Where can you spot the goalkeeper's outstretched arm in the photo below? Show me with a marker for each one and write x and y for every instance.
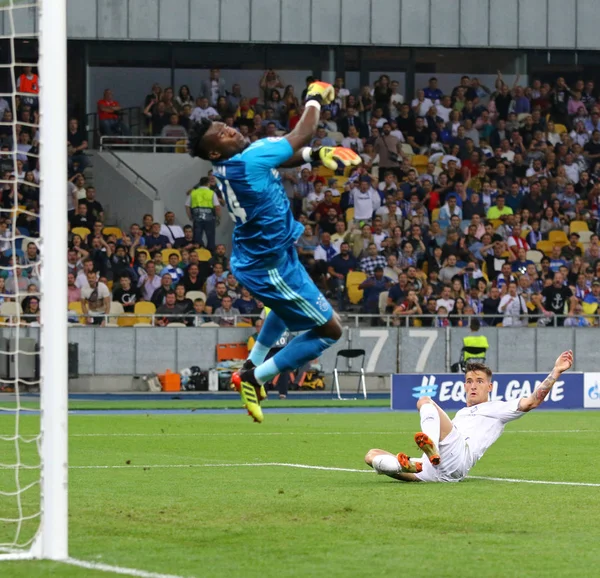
(562, 364)
(318, 93)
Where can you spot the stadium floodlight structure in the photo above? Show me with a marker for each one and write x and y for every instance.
(34, 492)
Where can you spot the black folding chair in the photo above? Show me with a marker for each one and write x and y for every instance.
(348, 355)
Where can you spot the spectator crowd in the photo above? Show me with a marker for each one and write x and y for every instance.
(475, 202)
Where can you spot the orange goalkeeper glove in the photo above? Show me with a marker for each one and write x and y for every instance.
(333, 157)
(321, 92)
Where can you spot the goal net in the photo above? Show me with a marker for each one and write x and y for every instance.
(33, 273)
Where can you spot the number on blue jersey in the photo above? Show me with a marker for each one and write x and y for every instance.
(236, 211)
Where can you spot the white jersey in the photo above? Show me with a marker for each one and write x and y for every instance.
(475, 429)
(482, 424)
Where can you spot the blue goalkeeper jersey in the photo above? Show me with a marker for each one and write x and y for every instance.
(256, 200)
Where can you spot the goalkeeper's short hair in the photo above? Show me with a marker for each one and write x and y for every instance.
(195, 137)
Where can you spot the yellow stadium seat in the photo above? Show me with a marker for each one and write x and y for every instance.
(146, 307)
(560, 128)
(496, 223)
(349, 214)
(545, 247)
(435, 215)
(76, 306)
(420, 162)
(558, 238)
(181, 146)
(83, 232)
(166, 253)
(127, 321)
(113, 231)
(578, 227)
(204, 254)
(353, 280)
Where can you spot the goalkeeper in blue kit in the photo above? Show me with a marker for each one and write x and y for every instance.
(264, 257)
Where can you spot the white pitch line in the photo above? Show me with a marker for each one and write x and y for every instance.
(326, 468)
(543, 482)
(328, 433)
(116, 569)
(243, 465)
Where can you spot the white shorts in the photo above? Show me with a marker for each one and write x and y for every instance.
(455, 461)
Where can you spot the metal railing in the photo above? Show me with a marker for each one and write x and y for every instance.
(348, 320)
(138, 178)
(144, 144)
(131, 116)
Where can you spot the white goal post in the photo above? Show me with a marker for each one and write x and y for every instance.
(50, 17)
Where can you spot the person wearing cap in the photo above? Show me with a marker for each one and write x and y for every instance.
(573, 249)
(577, 319)
(594, 295)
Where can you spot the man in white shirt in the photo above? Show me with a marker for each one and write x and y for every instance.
(445, 300)
(571, 169)
(365, 199)
(170, 230)
(452, 447)
(444, 108)
(421, 105)
(513, 307)
(203, 110)
(95, 300)
(314, 198)
(395, 100)
(352, 141)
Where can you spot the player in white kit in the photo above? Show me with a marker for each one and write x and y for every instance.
(452, 447)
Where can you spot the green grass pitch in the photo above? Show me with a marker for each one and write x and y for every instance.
(165, 504)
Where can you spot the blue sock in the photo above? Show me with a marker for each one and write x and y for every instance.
(299, 351)
(272, 329)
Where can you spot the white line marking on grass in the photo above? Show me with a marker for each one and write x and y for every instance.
(543, 482)
(327, 433)
(244, 465)
(326, 468)
(116, 569)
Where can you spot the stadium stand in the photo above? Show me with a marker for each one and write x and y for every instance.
(459, 193)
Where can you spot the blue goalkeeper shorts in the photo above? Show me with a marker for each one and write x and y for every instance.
(286, 288)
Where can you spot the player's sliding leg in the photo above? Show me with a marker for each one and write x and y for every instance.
(409, 465)
(428, 438)
(387, 464)
(435, 426)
